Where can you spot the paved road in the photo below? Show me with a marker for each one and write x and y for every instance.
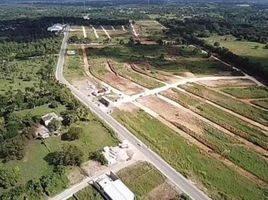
(176, 178)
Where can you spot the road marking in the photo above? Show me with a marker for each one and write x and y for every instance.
(84, 31)
(106, 32)
(95, 32)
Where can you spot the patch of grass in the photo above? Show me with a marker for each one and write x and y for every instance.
(33, 165)
(235, 105)
(88, 193)
(141, 178)
(73, 66)
(185, 59)
(234, 151)
(262, 103)
(216, 177)
(252, 50)
(220, 117)
(39, 111)
(135, 77)
(254, 92)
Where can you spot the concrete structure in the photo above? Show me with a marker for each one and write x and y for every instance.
(46, 119)
(55, 28)
(42, 132)
(70, 52)
(112, 188)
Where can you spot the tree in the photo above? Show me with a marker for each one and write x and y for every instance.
(216, 44)
(266, 46)
(69, 155)
(9, 177)
(99, 157)
(53, 104)
(54, 125)
(73, 133)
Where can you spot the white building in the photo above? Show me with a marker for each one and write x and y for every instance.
(42, 132)
(55, 28)
(112, 188)
(46, 119)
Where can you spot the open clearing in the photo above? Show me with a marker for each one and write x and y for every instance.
(146, 182)
(252, 50)
(126, 71)
(227, 102)
(73, 65)
(187, 159)
(211, 137)
(100, 69)
(220, 117)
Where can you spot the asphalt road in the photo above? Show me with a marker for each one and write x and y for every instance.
(176, 178)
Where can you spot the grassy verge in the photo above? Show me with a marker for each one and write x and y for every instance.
(187, 159)
(141, 178)
(248, 93)
(222, 118)
(235, 105)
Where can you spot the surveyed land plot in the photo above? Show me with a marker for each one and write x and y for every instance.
(228, 121)
(146, 182)
(213, 174)
(216, 140)
(227, 102)
(100, 69)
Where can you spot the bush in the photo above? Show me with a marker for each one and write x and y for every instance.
(99, 157)
(54, 125)
(74, 133)
(69, 155)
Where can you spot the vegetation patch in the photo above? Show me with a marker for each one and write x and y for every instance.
(235, 105)
(262, 103)
(187, 159)
(220, 117)
(248, 93)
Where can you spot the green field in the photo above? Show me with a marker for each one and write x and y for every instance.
(184, 58)
(73, 65)
(88, 193)
(235, 105)
(186, 158)
(262, 103)
(254, 92)
(252, 50)
(222, 118)
(141, 178)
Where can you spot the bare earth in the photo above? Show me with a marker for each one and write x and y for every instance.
(229, 83)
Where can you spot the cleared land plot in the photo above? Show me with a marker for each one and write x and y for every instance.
(148, 29)
(186, 158)
(147, 69)
(228, 83)
(252, 50)
(172, 59)
(262, 103)
(227, 102)
(73, 65)
(206, 134)
(144, 180)
(247, 93)
(99, 68)
(88, 193)
(126, 71)
(91, 34)
(220, 117)
(76, 31)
